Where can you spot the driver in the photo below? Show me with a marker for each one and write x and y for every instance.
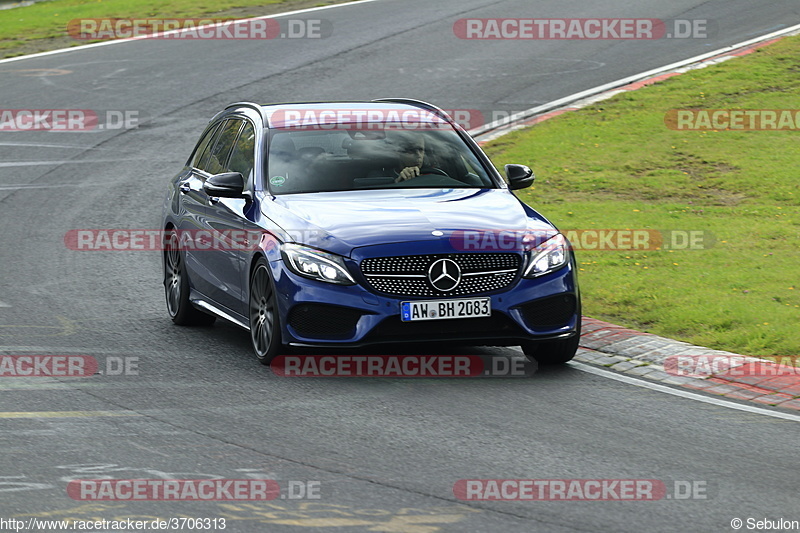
(411, 152)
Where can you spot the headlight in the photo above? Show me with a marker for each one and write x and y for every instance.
(547, 257)
(315, 264)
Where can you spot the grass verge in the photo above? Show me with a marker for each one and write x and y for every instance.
(43, 26)
(616, 165)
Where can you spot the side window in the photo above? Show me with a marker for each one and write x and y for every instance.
(218, 156)
(243, 154)
(203, 146)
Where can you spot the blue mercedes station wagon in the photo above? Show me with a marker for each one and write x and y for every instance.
(349, 224)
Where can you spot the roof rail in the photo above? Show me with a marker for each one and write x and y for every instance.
(418, 103)
(251, 105)
(244, 104)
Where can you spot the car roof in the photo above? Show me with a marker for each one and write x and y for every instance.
(279, 115)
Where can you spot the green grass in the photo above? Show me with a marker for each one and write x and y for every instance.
(22, 27)
(616, 165)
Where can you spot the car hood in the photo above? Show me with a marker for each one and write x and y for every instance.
(342, 221)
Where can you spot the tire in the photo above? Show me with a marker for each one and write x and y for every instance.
(553, 352)
(176, 287)
(265, 327)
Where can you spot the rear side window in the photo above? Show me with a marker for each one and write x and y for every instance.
(203, 146)
(218, 156)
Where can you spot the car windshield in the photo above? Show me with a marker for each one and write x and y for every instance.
(344, 159)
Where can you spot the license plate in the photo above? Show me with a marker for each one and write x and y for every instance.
(443, 309)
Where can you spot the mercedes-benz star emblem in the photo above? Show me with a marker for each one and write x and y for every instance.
(444, 275)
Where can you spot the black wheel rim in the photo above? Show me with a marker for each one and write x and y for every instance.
(262, 312)
(172, 274)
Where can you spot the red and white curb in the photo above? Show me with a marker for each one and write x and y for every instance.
(644, 355)
(647, 356)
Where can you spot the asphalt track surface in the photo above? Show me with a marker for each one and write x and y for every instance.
(386, 452)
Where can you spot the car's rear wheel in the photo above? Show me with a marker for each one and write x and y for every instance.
(553, 352)
(265, 331)
(176, 287)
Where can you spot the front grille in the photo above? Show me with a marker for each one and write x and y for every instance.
(408, 275)
(319, 321)
(550, 312)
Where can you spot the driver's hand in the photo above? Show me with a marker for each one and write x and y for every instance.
(407, 173)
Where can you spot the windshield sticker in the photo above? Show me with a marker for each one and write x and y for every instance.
(277, 180)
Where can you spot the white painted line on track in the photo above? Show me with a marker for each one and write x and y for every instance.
(682, 393)
(127, 40)
(3, 304)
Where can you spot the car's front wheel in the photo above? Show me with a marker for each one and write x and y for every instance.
(553, 352)
(265, 331)
(176, 287)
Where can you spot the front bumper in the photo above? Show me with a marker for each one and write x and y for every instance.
(321, 314)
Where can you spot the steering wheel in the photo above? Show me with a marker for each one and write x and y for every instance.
(433, 170)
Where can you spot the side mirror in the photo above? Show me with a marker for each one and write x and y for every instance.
(226, 185)
(519, 176)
